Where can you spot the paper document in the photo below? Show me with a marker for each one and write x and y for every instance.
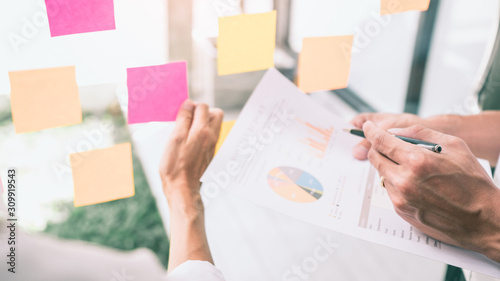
(289, 154)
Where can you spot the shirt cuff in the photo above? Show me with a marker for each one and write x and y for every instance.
(195, 270)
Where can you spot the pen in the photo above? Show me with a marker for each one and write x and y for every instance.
(427, 145)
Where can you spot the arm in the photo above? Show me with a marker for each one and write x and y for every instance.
(187, 155)
(446, 195)
(481, 132)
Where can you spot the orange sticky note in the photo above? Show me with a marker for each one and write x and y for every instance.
(398, 6)
(102, 175)
(324, 63)
(44, 98)
(224, 132)
(246, 43)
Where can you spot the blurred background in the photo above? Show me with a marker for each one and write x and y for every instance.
(424, 63)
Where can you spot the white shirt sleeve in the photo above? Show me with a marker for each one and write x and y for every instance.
(195, 271)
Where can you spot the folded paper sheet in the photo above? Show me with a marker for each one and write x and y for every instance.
(224, 132)
(246, 43)
(155, 93)
(71, 17)
(324, 63)
(44, 98)
(398, 6)
(102, 175)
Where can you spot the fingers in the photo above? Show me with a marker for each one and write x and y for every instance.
(423, 133)
(360, 119)
(184, 120)
(383, 142)
(201, 116)
(216, 117)
(360, 151)
(384, 166)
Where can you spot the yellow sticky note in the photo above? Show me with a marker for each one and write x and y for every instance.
(246, 43)
(44, 98)
(102, 175)
(224, 131)
(398, 6)
(324, 63)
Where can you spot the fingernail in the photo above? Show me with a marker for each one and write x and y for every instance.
(188, 105)
(360, 152)
(395, 131)
(368, 123)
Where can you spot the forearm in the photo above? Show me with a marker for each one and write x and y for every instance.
(481, 132)
(188, 240)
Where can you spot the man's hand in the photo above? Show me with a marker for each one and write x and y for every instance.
(189, 151)
(384, 121)
(449, 196)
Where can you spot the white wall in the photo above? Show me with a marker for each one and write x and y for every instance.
(462, 41)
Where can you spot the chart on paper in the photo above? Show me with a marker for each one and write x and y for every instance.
(289, 154)
(294, 184)
(377, 214)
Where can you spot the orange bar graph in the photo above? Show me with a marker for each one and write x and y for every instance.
(319, 138)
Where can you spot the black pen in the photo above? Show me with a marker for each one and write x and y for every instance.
(427, 145)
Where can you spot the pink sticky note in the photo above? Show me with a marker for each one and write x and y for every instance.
(79, 16)
(155, 93)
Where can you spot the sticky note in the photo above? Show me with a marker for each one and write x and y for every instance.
(246, 43)
(102, 175)
(79, 16)
(399, 6)
(224, 132)
(44, 98)
(156, 93)
(324, 63)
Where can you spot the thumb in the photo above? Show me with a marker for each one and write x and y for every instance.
(360, 151)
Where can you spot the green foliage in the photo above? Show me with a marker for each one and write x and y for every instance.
(124, 224)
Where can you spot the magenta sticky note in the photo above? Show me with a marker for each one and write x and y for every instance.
(79, 16)
(155, 93)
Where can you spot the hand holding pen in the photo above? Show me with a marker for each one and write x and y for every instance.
(427, 145)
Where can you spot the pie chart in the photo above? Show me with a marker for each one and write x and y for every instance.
(295, 184)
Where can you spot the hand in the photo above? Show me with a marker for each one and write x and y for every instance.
(186, 157)
(189, 151)
(384, 121)
(448, 196)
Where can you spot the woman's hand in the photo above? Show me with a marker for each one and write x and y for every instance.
(449, 196)
(189, 151)
(187, 155)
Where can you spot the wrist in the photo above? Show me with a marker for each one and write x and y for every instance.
(491, 243)
(183, 198)
(447, 124)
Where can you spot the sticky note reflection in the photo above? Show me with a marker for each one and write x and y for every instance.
(324, 63)
(398, 6)
(224, 132)
(246, 43)
(156, 93)
(79, 16)
(44, 98)
(102, 175)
